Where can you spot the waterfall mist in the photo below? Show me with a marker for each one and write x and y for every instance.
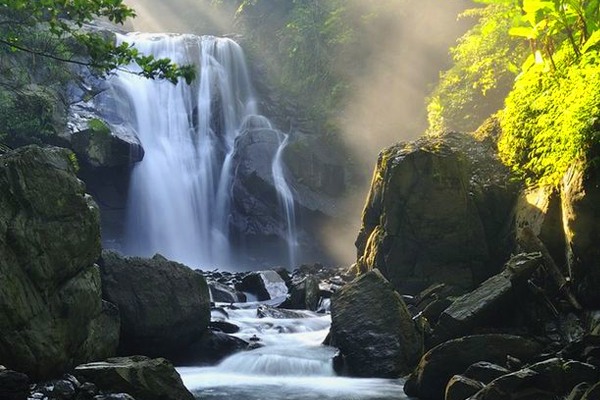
(406, 51)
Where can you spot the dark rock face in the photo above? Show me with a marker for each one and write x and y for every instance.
(428, 381)
(373, 328)
(429, 218)
(304, 295)
(581, 212)
(141, 377)
(212, 347)
(13, 385)
(461, 388)
(164, 305)
(485, 303)
(50, 297)
(265, 285)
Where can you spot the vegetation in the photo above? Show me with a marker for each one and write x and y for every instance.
(313, 47)
(550, 119)
(39, 40)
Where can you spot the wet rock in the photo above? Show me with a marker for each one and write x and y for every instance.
(265, 285)
(304, 295)
(213, 347)
(578, 391)
(546, 379)
(49, 240)
(224, 326)
(114, 396)
(483, 305)
(141, 377)
(592, 393)
(413, 240)
(485, 372)
(581, 207)
(428, 381)
(373, 328)
(224, 294)
(264, 311)
(461, 388)
(13, 385)
(164, 305)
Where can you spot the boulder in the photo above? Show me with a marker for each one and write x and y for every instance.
(483, 305)
(304, 295)
(212, 347)
(139, 376)
(221, 293)
(581, 210)
(50, 297)
(100, 145)
(264, 311)
(485, 372)
(373, 328)
(548, 379)
(13, 385)
(164, 305)
(428, 381)
(461, 388)
(592, 393)
(265, 285)
(419, 224)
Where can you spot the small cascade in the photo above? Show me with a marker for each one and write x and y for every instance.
(180, 194)
(286, 199)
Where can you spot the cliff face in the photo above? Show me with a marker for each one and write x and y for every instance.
(50, 298)
(428, 218)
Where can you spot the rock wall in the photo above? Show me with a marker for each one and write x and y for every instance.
(428, 218)
(50, 297)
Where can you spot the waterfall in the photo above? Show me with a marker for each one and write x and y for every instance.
(286, 199)
(179, 199)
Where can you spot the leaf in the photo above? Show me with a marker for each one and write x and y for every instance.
(591, 42)
(522, 31)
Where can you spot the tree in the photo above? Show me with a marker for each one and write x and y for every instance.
(63, 20)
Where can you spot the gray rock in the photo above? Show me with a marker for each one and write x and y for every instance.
(223, 294)
(265, 285)
(485, 372)
(592, 393)
(304, 295)
(428, 381)
(581, 207)
(13, 385)
(461, 388)
(141, 377)
(49, 240)
(373, 328)
(484, 303)
(212, 347)
(164, 305)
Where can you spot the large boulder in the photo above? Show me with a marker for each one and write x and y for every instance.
(428, 381)
(139, 376)
(265, 285)
(13, 385)
(164, 305)
(50, 297)
(373, 329)
(581, 213)
(420, 224)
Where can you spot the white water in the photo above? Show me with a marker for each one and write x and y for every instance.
(180, 194)
(286, 199)
(292, 365)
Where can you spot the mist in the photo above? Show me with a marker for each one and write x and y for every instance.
(407, 49)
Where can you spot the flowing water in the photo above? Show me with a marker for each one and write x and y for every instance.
(180, 193)
(292, 365)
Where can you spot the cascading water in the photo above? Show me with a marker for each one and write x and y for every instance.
(285, 198)
(180, 194)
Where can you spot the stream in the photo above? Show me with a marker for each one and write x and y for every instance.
(292, 364)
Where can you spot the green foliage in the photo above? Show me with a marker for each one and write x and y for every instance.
(64, 19)
(486, 62)
(551, 117)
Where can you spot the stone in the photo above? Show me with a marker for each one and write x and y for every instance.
(164, 305)
(428, 381)
(50, 297)
(223, 294)
(139, 376)
(224, 326)
(264, 311)
(265, 285)
(592, 393)
(540, 209)
(212, 347)
(548, 379)
(420, 225)
(578, 391)
(482, 306)
(113, 396)
(373, 329)
(13, 385)
(580, 199)
(461, 388)
(102, 145)
(485, 372)
(304, 295)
